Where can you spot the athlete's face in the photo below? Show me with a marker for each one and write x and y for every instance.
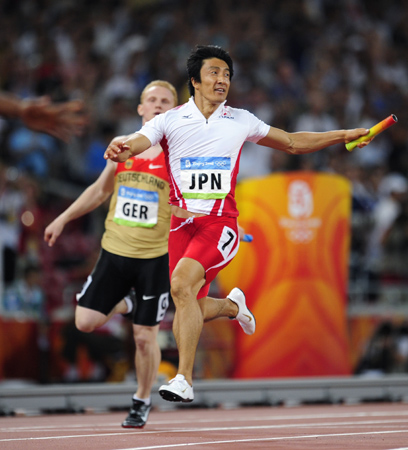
(215, 81)
(156, 100)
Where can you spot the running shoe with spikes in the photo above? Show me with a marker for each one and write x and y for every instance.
(138, 415)
(177, 390)
(245, 318)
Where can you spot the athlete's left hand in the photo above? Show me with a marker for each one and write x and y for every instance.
(241, 233)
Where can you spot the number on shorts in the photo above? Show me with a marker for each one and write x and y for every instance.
(227, 241)
(162, 306)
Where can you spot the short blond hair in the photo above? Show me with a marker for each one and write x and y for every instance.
(161, 83)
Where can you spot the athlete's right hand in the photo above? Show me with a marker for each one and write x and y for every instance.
(118, 152)
(52, 232)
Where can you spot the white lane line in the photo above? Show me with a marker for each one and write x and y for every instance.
(354, 424)
(247, 418)
(281, 438)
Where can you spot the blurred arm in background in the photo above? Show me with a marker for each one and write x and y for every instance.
(61, 120)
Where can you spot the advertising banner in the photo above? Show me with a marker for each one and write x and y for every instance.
(294, 275)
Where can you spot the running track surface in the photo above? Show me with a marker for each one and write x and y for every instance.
(382, 426)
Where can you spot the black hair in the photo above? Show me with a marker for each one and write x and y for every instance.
(199, 55)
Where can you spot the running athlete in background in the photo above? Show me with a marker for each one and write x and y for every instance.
(202, 142)
(134, 250)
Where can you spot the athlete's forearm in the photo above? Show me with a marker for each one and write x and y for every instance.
(89, 200)
(10, 105)
(303, 142)
(137, 143)
(308, 142)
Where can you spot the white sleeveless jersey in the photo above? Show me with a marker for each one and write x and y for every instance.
(202, 155)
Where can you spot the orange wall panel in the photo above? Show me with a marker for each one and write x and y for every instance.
(294, 274)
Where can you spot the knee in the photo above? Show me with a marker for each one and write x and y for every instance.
(144, 338)
(85, 321)
(180, 291)
(84, 325)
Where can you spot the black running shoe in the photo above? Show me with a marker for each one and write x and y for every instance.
(138, 415)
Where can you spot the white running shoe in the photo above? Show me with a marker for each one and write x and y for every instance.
(177, 390)
(245, 318)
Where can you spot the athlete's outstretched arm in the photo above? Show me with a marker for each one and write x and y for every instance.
(90, 199)
(308, 142)
(121, 151)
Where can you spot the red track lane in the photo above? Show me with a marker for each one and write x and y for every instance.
(381, 426)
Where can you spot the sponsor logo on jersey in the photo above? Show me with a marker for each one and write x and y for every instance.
(226, 114)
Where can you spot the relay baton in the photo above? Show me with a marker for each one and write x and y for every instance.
(376, 129)
(248, 238)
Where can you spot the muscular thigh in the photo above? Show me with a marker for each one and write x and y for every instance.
(211, 241)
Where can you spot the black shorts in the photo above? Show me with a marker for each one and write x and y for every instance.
(113, 277)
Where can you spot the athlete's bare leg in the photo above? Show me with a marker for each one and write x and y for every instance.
(147, 358)
(87, 320)
(214, 308)
(187, 279)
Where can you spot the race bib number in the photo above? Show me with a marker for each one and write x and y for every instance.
(206, 177)
(136, 207)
